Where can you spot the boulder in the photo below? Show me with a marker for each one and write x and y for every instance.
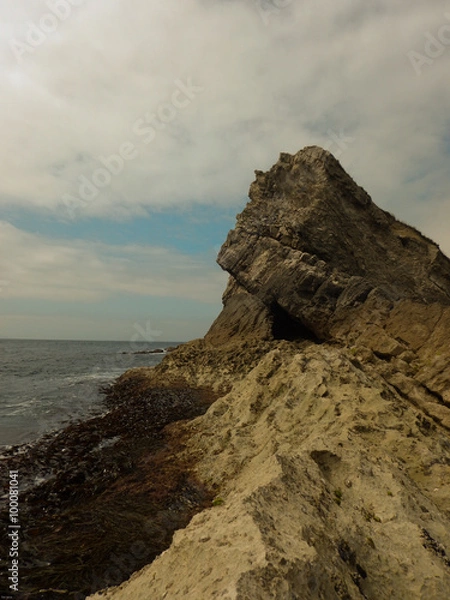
(311, 249)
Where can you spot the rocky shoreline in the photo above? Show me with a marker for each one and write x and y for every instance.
(329, 446)
(102, 497)
(300, 450)
(328, 483)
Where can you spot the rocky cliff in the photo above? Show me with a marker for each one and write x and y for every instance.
(328, 449)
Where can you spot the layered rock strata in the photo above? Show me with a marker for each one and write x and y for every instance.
(313, 256)
(328, 451)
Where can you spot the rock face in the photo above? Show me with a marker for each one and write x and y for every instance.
(313, 257)
(312, 246)
(329, 448)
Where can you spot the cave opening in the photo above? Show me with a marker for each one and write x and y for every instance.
(285, 327)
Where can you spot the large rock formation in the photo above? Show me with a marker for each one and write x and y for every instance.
(329, 448)
(313, 257)
(312, 246)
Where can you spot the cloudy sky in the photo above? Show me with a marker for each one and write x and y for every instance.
(130, 132)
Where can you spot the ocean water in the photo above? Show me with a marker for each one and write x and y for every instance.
(45, 385)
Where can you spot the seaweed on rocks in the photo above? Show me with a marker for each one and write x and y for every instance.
(103, 497)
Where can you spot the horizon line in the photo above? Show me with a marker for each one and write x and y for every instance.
(19, 339)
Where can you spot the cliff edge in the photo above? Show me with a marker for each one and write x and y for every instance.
(328, 450)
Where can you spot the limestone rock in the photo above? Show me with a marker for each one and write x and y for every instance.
(315, 258)
(329, 448)
(312, 245)
(330, 484)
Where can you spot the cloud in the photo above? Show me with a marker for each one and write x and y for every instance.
(38, 268)
(274, 76)
(102, 327)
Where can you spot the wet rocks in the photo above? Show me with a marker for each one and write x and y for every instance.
(324, 461)
(110, 489)
(329, 448)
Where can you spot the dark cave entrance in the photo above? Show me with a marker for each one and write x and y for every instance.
(285, 327)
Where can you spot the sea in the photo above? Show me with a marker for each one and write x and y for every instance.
(47, 384)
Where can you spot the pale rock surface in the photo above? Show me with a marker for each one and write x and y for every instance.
(329, 481)
(329, 448)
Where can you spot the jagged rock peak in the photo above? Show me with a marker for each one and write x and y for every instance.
(329, 461)
(311, 246)
(292, 172)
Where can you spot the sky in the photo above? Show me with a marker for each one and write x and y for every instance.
(130, 132)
